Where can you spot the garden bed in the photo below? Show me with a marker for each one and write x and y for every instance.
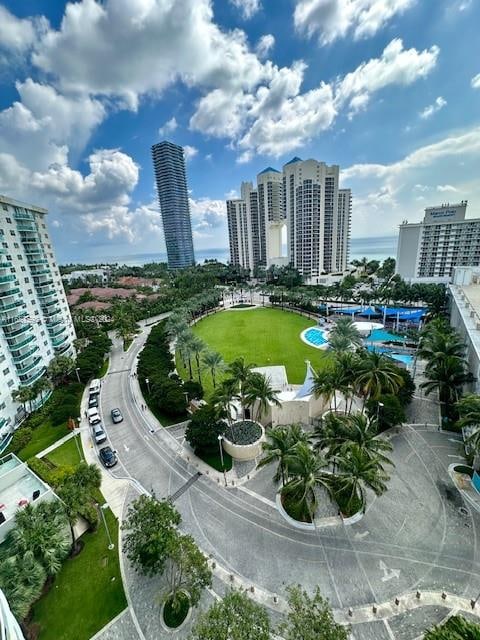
(243, 432)
(174, 618)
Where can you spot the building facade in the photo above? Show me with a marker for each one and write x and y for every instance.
(35, 321)
(171, 180)
(429, 251)
(304, 205)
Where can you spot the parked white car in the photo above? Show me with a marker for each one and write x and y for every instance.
(93, 416)
(99, 434)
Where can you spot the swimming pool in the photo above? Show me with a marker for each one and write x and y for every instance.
(315, 337)
(400, 357)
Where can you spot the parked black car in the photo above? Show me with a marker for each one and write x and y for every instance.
(108, 457)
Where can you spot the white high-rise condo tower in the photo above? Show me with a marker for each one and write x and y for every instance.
(35, 321)
(305, 201)
(428, 251)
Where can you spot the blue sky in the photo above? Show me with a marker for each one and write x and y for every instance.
(387, 89)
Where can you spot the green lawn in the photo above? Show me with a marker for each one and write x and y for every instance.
(43, 436)
(104, 368)
(66, 454)
(87, 593)
(264, 336)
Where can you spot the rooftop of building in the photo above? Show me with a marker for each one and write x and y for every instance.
(269, 170)
(19, 203)
(18, 486)
(294, 159)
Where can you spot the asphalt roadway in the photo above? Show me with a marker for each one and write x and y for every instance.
(419, 535)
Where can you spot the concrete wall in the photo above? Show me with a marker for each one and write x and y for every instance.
(407, 250)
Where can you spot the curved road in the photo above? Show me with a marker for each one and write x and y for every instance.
(413, 537)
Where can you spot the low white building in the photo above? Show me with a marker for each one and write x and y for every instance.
(19, 486)
(91, 276)
(298, 403)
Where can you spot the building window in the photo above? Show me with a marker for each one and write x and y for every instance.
(9, 220)
(5, 371)
(10, 383)
(12, 232)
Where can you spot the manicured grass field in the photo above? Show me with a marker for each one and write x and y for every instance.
(43, 436)
(66, 454)
(263, 336)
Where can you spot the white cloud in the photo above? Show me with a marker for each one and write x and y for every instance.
(333, 19)
(127, 48)
(429, 111)
(396, 66)
(248, 8)
(18, 34)
(386, 194)
(189, 152)
(169, 127)
(475, 81)
(207, 212)
(264, 45)
(40, 129)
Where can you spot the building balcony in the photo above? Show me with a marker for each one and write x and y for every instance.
(10, 335)
(7, 321)
(19, 344)
(12, 305)
(8, 293)
(26, 226)
(29, 379)
(7, 279)
(40, 285)
(55, 323)
(23, 356)
(27, 368)
(34, 264)
(51, 311)
(49, 303)
(57, 332)
(44, 295)
(63, 349)
(33, 251)
(58, 342)
(5, 264)
(23, 215)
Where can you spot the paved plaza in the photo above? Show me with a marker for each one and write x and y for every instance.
(418, 536)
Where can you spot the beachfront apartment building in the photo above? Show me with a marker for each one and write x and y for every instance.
(429, 251)
(171, 180)
(35, 321)
(302, 204)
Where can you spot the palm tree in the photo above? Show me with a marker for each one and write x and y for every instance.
(280, 441)
(435, 345)
(40, 530)
(213, 361)
(185, 346)
(446, 375)
(258, 389)
(240, 372)
(60, 368)
(23, 395)
(348, 363)
(468, 409)
(345, 332)
(223, 398)
(377, 375)
(307, 471)
(21, 579)
(198, 347)
(364, 432)
(40, 386)
(358, 472)
(324, 387)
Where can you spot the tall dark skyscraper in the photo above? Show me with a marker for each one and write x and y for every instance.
(170, 175)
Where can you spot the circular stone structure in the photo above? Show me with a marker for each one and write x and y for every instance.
(366, 328)
(244, 452)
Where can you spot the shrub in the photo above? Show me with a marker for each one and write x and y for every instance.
(61, 414)
(390, 415)
(90, 513)
(204, 428)
(21, 437)
(193, 389)
(41, 468)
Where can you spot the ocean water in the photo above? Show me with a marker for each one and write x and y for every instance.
(372, 248)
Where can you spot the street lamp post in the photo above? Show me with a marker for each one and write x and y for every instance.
(76, 371)
(147, 380)
(75, 437)
(379, 405)
(220, 438)
(102, 509)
